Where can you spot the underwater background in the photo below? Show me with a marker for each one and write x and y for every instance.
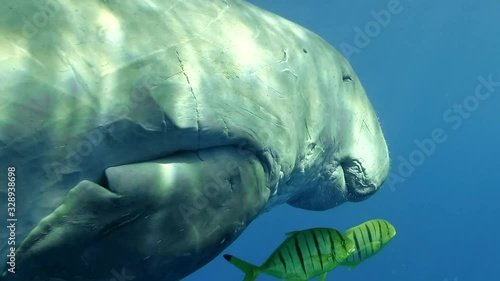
(421, 70)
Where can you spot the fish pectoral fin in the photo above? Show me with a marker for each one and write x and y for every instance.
(322, 277)
(321, 259)
(376, 244)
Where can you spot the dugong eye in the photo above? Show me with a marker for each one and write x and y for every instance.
(346, 78)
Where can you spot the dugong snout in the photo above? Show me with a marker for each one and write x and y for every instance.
(349, 179)
(367, 165)
(359, 184)
(357, 162)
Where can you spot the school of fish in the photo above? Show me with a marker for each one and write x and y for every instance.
(313, 252)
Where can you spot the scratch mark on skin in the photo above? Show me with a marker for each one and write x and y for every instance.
(272, 91)
(112, 228)
(219, 16)
(257, 33)
(251, 113)
(165, 128)
(366, 126)
(26, 53)
(78, 78)
(285, 62)
(173, 6)
(291, 71)
(226, 128)
(194, 97)
(307, 130)
(199, 35)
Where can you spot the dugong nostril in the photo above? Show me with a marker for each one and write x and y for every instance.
(357, 184)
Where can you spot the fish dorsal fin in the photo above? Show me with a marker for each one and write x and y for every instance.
(350, 230)
(290, 233)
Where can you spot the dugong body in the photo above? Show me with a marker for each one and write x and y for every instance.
(146, 135)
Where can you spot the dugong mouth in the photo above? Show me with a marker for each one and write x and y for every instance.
(345, 180)
(357, 183)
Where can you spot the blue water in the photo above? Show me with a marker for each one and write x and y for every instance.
(416, 70)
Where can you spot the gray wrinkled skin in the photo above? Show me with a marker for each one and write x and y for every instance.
(147, 135)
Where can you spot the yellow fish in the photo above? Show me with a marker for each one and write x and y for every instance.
(369, 238)
(303, 255)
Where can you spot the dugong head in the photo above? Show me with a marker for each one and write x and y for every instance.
(357, 163)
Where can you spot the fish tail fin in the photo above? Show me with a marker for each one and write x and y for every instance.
(251, 271)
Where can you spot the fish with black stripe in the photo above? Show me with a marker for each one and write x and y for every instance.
(369, 238)
(303, 255)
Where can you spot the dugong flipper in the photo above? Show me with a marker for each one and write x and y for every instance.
(131, 224)
(146, 135)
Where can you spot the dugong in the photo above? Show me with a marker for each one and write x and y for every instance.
(140, 138)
